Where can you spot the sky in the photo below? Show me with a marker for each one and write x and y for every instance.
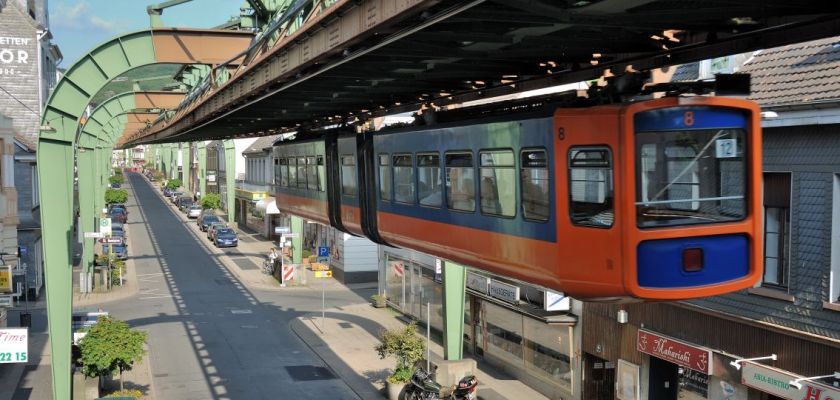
(79, 25)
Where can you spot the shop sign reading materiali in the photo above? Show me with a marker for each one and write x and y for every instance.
(14, 344)
(777, 382)
(675, 351)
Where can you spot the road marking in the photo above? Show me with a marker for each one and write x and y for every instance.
(241, 311)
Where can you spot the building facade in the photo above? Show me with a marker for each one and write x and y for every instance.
(790, 321)
(530, 333)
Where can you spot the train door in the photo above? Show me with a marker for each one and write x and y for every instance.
(589, 234)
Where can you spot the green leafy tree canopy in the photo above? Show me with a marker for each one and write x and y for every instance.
(110, 346)
(211, 201)
(173, 183)
(116, 196)
(116, 179)
(405, 346)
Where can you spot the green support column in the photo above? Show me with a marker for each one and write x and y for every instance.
(55, 172)
(87, 174)
(186, 166)
(454, 296)
(202, 168)
(230, 178)
(297, 243)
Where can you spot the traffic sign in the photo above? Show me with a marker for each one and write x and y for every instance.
(323, 274)
(105, 226)
(290, 235)
(110, 240)
(323, 260)
(323, 251)
(278, 230)
(93, 235)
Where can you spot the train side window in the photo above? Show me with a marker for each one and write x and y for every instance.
(301, 173)
(282, 172)
(497, 187)
(322, 174)
(403, 179)
(348, 175)
(591, 186)
(429, 185)
(311, 174)
(385, 177)
(292, 172)
(460, 181)
(534, 183)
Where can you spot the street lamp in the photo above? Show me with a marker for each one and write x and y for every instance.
(795, 383)
(737, 363)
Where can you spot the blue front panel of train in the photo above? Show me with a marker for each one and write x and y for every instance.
(701, 117)
(660, 262)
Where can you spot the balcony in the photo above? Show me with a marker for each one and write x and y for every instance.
(251, 191)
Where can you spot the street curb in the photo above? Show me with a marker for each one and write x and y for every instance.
(333, 363)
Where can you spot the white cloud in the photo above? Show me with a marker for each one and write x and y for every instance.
(78, 16)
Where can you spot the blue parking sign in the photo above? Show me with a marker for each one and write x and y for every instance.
(323, 251)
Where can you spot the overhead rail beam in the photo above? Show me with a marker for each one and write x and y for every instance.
(369, 61)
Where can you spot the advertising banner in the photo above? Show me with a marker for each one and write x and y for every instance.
(675, 351)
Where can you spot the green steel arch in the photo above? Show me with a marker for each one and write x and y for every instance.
(55, 155)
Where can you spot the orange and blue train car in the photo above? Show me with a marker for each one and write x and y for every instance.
(653, 200)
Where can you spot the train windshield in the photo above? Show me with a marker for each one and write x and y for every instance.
(690, 177)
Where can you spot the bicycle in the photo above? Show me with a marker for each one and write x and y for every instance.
(268, 267)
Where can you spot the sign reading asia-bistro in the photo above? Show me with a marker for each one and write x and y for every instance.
(777, 382)
(675, 351)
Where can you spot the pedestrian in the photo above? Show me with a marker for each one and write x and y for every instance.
(272, 256)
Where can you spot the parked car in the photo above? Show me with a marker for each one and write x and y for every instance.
(118, 206)
(175, 196)
(115, 186)
(120, 250)
(205, 220)
(118, 231)
(194, 211)
(225, 237)
(118, 215)
(184, 203)
(211, 230)
(167, 192)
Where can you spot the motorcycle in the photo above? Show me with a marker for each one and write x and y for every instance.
(422, 386)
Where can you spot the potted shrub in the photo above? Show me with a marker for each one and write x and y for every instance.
(407, 348)
(379, 300)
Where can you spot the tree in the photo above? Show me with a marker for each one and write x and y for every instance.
(211, 201)
(111, 345)
(173, 183)
(116, 179)
(405, 346)
(117, 171)
(116, 196)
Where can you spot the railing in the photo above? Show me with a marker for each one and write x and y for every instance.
(252, 187)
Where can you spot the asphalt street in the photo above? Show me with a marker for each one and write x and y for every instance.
(210, 337)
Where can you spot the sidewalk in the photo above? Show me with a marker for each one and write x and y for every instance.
(130, 285)
(346, 344)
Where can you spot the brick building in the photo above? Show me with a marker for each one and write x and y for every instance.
(692, 349)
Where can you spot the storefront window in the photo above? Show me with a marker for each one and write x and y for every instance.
(503, 332)
(547, 352)
(394, 279)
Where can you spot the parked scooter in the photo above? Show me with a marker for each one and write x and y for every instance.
(423, 387)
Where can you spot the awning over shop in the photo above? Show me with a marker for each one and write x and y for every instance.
(267, 206)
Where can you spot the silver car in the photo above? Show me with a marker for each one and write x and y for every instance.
(194, 212)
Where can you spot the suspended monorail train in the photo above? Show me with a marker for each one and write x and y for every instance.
(653, 200)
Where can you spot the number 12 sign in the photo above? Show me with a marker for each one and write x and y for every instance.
(14, 344)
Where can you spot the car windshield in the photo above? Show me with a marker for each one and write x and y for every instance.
(226, 232)
(210, 219)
